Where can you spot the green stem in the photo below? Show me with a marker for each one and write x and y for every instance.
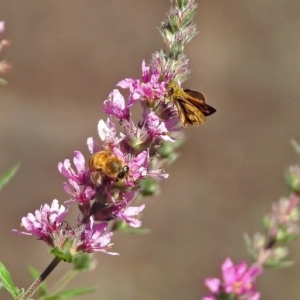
(64, 281)
(36, 284)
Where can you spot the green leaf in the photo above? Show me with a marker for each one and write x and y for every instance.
(8, 175)
(35, 274)
(3, 82)
(71, 293)
(296, 146)
(7, 281)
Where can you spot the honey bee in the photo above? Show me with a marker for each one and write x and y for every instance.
(191, 105)
(105, 163)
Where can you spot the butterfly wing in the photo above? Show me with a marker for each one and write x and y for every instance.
(198, 100)
(189, 113)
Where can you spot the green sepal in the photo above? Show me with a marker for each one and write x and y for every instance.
(182, 3)
(188, 18)
(64, 255)
(82, 262)
(148, 186)
(166, 150)
(172, 24)
(176, 50)
(8, 283)
(283, 236)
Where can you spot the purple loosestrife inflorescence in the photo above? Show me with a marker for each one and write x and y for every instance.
(281, 226)
(107, 183)
(101, 195)
(267, 249)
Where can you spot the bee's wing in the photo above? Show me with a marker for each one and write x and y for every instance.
(96, 178)
(189, 113)
(198, 99)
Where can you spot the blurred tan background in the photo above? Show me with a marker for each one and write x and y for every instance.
(68, 55)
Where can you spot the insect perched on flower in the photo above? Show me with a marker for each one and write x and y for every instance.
(191, 105)
(106, 163)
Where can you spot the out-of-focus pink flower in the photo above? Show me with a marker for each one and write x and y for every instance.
(238, 280)
(286, 210)
(293, 178)
(282, 222)
(2, 27)
(5, 67)
(214, 284)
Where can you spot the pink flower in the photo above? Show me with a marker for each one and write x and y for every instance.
(96, 239)
(107, 131)
(238, 280)
(108, 135)
(81, 195)
(138, 167)
(130, 215)
(48, 225)
(44, 222)
(149, 87)
(214, 284)
(115, 105)
(65, 168)
(156, 127)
